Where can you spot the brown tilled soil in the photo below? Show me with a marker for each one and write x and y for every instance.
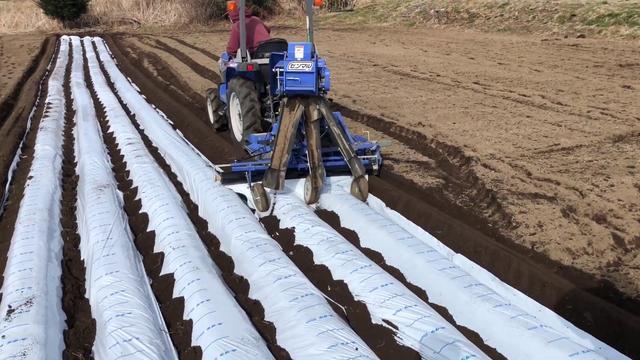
(539, 137)
(16, 53)
(81, 327)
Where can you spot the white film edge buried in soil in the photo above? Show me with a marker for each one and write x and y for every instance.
(18, 154)
(418, 325)
(514, 324)
(306, 325)
(115, 275)
(32, 320)
(220, 326)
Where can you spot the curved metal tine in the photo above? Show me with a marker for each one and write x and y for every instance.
(274, 176)
(340, 137)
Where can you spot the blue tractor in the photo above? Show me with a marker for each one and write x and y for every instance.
(274, 104)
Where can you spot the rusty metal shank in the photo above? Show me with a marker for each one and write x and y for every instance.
(340, 137)
(274, 176)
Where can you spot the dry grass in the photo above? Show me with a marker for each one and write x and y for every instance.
(22, 16)
(563, 17)
(155, 12)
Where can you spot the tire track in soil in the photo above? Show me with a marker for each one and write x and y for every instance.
(381, 339)
(9, 216)
(180, 108)
(461, 180)
(202, 51)
(238, 284)
(202, 71)
(11, 100)
(589, 303)
(548, 104)
(333, 220)
(163, 70)
(81, 327)
(16, 108)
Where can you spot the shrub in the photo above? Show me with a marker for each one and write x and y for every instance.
(264, 8)
(66, 11)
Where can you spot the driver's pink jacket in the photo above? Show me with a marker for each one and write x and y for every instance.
(257, 32)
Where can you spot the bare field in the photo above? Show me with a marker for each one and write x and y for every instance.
(16, 53)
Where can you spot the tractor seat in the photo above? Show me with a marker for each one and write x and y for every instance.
(265, 48)
(263, 52)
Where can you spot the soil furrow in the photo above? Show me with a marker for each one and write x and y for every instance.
(81, 327)
(203, 71)
(11, 100)
(17, 107)
(151, 55)
(381, 339)
(202, 51)
(461, 178)
(488, 90)
(333, 220)
(180, 109)
(238, 284)
(9, 214)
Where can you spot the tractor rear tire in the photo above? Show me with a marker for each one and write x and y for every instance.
(215, 109)
(243, 110)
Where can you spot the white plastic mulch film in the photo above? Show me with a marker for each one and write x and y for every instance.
(128, 319)
(515, 325)
(18, 154)
(32, 320)
(418, 325)
(306, 325)
(220, 326)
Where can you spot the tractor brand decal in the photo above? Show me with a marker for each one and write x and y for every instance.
(299, 52)
(300, 66)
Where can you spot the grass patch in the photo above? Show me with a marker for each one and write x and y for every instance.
(628, 18)
(566, 17)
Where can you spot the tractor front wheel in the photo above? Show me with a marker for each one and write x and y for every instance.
(243, 110)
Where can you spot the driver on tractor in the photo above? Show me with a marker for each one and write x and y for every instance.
(273, 99)
(257, 32)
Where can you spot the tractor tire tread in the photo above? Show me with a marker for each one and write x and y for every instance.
(217, 108)
(248, 96)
